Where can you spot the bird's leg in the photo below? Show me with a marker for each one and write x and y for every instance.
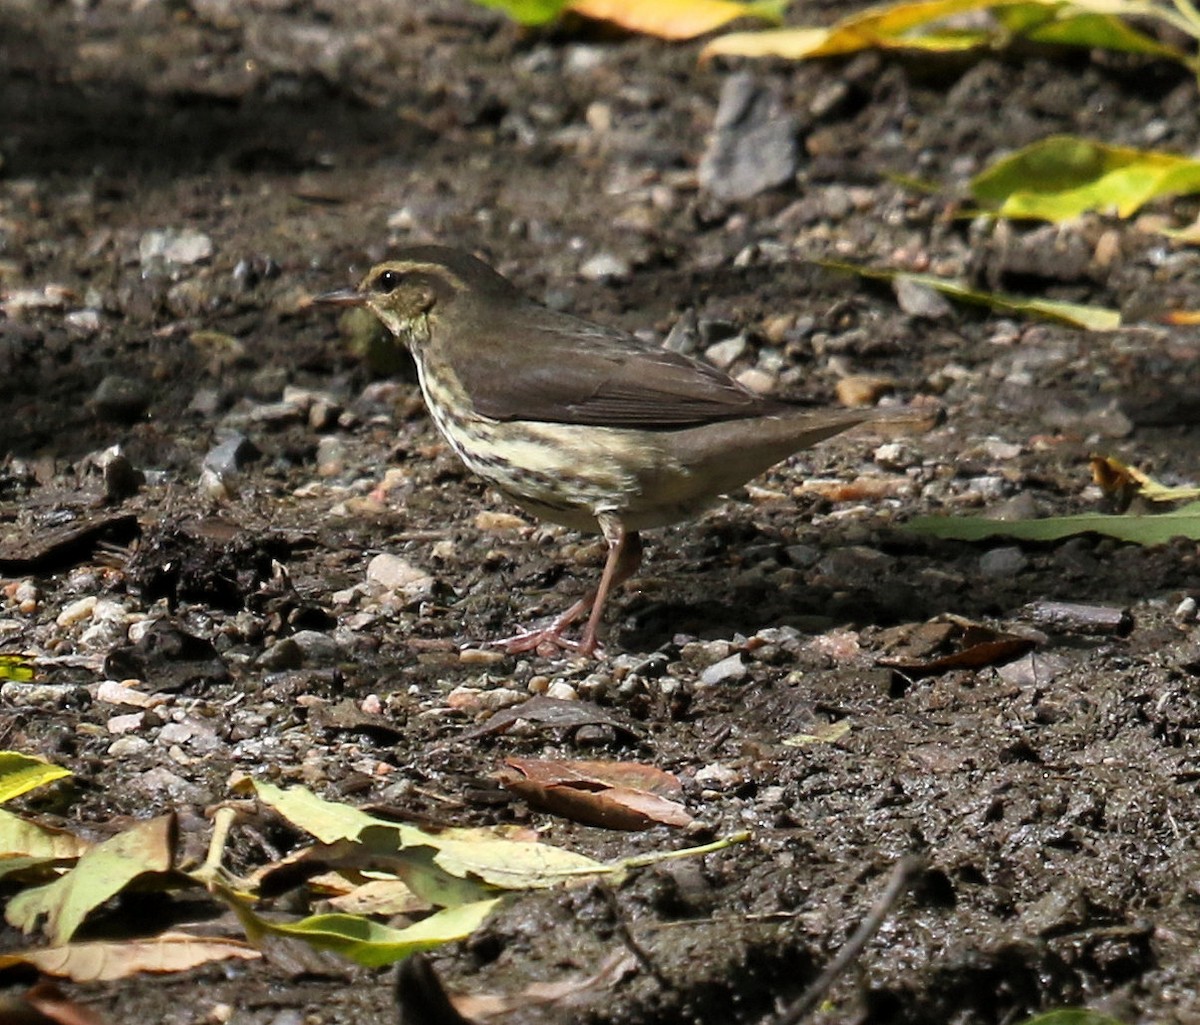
(624, 557)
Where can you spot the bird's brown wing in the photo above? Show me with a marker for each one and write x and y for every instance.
(574, 372)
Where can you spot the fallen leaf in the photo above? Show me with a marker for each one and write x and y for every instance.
(1144, 530)
(615, 967)
(828, 734)
(1091, 318)
(14, 666)
(101, 872)
(381, 897)
(1064, 176)
(674, 19)
(45, 1003)
(363, 941)
(103, 961)
(24, 838)
(978, 647)
(1123, 483)
(617, 795)
(885, 26)
(20, 773)
(551, 712)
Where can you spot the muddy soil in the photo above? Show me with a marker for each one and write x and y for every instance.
(179, 179)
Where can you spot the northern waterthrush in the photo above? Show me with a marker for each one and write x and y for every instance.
(577, 423)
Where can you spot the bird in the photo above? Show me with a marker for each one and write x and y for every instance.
(577, 423)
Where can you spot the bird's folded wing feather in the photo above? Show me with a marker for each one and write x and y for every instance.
(575, 372)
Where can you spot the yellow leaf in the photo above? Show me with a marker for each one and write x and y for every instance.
(1127, 482)
(21, 773)
(888, 26)
(21, 838)
(101, 873)
(672, 19)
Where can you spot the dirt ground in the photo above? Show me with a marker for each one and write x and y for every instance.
(178, 179)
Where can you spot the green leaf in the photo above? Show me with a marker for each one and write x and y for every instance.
(1090, 318)
(1064, 176)
(364, 941)
(1073, 1016)
(1070, 24)
(527, 12)
(16, 667)
(1143, 530)
(21, 773)
(474, 855)
(101, 872)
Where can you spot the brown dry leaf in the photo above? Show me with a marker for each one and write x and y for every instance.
(381, 897)
(483, 1006)
(864, 489)
(43, 1003)
(616, 795)
(978, 646)
(669, 19)
(103, 961)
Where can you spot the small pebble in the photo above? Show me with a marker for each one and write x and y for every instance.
(317, 649)
(894, 455)
(480, 656)
(499, 522)
(728, 670)
(398, 575)
(331, 456)
(604, 267)
(863, 390)
(716, 776)
(1003, 563)
(1185, 611)
(113, 693)
(120, 724)
(472, 699)
(120, 399)
(128, 745)
(562, 690)
(724, 354)
(919, 300)
(174, 246)
(283, 654)
(54, 695)
(76, 611)
(231, 455)
(757, 380)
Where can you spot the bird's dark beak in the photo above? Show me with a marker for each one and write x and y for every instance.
(342, 297)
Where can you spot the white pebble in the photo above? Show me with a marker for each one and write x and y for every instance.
(76, 612)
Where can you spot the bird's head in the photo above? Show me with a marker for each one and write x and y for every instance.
(420, 285)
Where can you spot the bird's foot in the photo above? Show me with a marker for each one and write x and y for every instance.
(546, 642)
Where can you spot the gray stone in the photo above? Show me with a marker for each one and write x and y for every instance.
(120, 399)
(753, 146)
(233, 454)
(1002, 563)
(728, 670)
(316, 647)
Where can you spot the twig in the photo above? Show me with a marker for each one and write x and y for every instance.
(899, 882)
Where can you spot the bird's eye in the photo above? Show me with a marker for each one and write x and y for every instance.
(387, 281)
